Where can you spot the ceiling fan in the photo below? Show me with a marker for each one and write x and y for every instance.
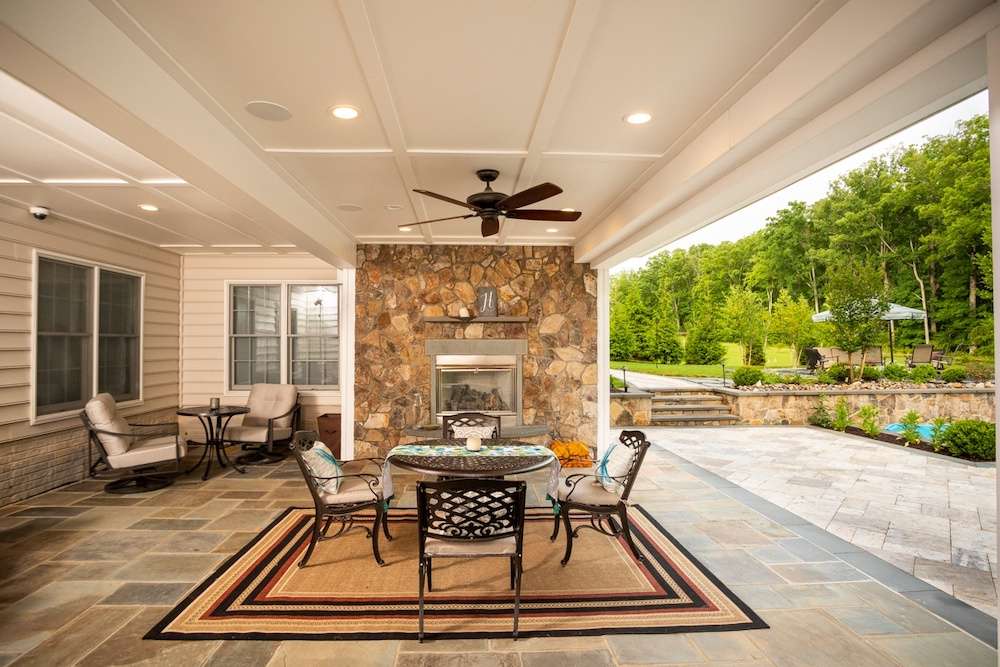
(490, 205)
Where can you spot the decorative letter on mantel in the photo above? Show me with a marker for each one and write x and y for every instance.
(486, 302)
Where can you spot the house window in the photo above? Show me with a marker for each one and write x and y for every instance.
(255, 335)
(62, 369)
(313, 335)
(284, 332)
(68, 296)
(118, 353)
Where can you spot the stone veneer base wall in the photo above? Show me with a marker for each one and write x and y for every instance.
(31, 466)
(397, 286)
(795, 407)
(633, 408)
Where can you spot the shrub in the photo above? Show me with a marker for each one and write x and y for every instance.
(771, 378)
(821, 415)
(954, 374)
(703, 345)
(923, 373)
(805, 379)
(841, 415)
(791, 379)
(757, 357)
(973, 438)
(869, 420)
(939, 426)
(838, 373)
(895, 372)
(979, 371)
(910, 432)
(871, 374)
(747, 375)
(825, 378)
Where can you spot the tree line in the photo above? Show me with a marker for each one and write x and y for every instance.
(918, 220)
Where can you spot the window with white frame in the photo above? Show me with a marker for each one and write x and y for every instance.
(286, 332)
(74, 301)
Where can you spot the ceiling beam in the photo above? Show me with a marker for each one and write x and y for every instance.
(359, 27)
(850, 50)
(576, 37)
(72, 53)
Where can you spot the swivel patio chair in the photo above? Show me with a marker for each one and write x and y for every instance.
(470, 518)
(464, 423)
(813, 358)
(922, 354)
(358, 490)
(586, 492)
(137, 457)
(273, 417)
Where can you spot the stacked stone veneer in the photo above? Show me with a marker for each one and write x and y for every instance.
(795, 407)
(398, 286)
(36, 464)
(631, 408)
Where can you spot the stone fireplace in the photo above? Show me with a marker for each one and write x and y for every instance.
(415, 358)
(477, 376)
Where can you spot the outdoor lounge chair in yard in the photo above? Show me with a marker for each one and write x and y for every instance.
(925, 354)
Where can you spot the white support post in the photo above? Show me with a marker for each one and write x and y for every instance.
(993, 83)
(347, 366)
(603, 361)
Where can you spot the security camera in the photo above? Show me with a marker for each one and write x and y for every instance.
(40, 212)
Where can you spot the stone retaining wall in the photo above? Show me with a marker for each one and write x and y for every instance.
(632, 408)
(795, 407)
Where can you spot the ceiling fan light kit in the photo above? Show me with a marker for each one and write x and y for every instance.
(489, 205)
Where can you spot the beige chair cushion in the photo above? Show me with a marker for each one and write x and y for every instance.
(504, 546)
(162, 449)
(267, 401)
(245, 433)
(588, 492)
(103, 414)
(352, 490)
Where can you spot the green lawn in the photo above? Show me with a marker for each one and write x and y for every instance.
(777, 357)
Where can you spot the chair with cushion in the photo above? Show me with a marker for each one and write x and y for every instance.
(465, 424)
(470, 518)
(340, 489)
(273, 417)
(603, 494)
(141, 457)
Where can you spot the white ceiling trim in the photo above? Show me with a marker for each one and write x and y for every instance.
(330, 151)
(359, 27)
(579, 28)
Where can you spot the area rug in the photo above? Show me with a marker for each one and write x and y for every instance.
(260, 593)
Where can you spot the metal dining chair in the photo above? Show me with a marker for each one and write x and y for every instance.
(470, 518)
(358, 491)
(584, 493)
(468, 419)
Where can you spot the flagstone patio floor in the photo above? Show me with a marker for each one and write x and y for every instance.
(932, 517)
(87, 574)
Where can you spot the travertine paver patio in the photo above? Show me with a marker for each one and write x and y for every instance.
(87, 574)
(931, 517)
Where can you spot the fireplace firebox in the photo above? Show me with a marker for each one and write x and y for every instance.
(477, 376)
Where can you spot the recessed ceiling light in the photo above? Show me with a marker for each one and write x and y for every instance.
(265, 110)
(344, 112)
(152, 208)
(393, 207)
(568, 210)
(406, 229)
(552, 230)
(353, 208)
(638, 118)
(85, 181)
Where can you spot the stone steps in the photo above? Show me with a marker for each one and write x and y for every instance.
(693, 406)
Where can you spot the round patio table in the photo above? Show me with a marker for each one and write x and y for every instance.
(214, 422)
(450, 458)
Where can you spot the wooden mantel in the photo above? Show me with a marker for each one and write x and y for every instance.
(497, 319)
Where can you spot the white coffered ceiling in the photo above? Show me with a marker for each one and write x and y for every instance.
(140, 90)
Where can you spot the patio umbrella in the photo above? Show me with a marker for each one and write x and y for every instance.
(893, 313)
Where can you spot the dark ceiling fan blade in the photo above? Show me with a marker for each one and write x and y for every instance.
(544, 214)
(490, 226)
(425, 222)
(529, 196)
(456, 202)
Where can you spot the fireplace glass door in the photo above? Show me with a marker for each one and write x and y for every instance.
(476, 388)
